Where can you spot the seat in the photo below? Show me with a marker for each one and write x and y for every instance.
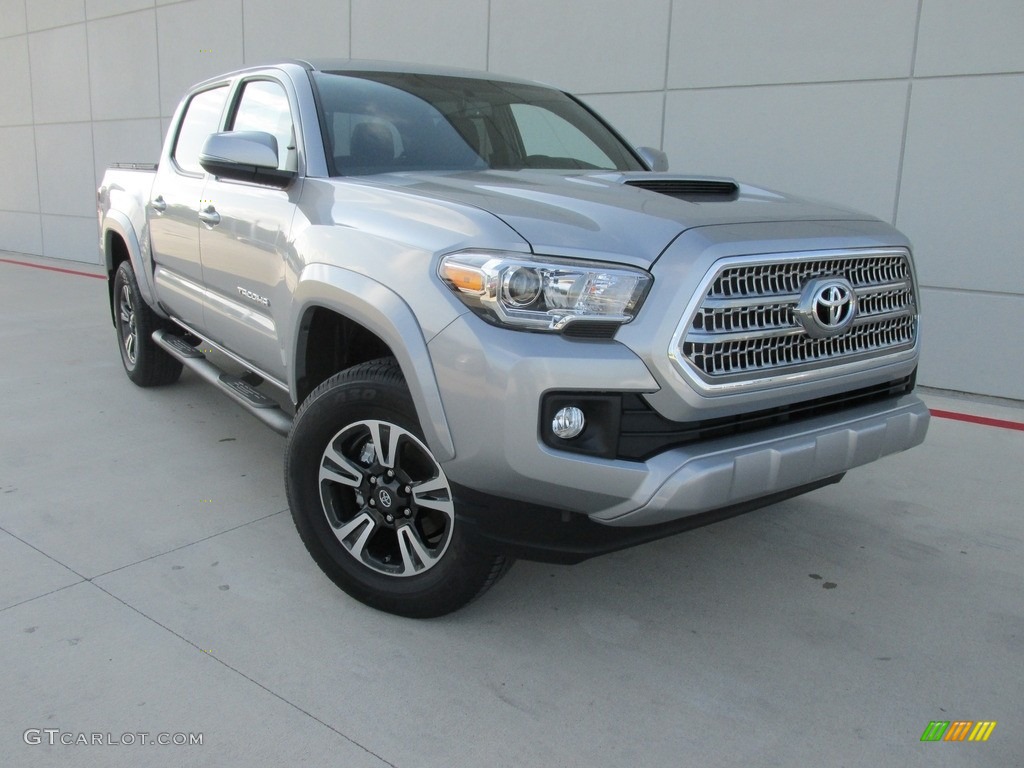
(371, 146)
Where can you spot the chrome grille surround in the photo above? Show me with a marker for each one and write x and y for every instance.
(739, 332)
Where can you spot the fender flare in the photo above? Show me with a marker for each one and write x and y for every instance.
(119, 224)
(383, 312)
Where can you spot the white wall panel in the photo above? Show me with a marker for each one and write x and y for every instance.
(125, 141)
(66, 170)
(97, 9)
(71, 237)
(20, 232)
(453, 33)
(16, 83)
(746, 42)
(962, 197)
(586, 46)
(972, 342)
(20, 188)
(196, 40)
(808, 96)
(296, 30)
(44, 14)
(123, 73)
(959, 38)
(837, 142)
(12, 17)
(60, 75)
(637, 116)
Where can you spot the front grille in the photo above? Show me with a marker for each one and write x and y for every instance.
(745, 328)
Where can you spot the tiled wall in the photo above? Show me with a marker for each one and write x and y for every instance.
(912, 110)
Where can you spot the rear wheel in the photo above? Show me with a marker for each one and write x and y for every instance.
(372, 503)
(145, 363)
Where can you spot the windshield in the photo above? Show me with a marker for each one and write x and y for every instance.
(380, 122)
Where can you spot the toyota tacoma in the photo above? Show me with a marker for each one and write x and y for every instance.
(491, 328)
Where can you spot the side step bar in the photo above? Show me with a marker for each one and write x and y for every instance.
(259, 405)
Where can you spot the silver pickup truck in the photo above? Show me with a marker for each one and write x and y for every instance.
(491, 328)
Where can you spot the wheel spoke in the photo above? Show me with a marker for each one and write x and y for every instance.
(421, 491)
(429, 486)
(442, 505)
(129, 346)
(367, 524)
(346, 474)
(386, 458)
(414, 555)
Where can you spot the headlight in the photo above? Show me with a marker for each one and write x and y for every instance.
(544, 294)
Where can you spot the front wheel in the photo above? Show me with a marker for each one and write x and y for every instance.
(372, 504)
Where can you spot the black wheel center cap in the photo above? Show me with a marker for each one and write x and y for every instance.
(385, 498)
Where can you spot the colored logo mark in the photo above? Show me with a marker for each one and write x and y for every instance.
(959, 730)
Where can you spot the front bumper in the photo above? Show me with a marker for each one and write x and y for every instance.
(753, 465)
(492, 382)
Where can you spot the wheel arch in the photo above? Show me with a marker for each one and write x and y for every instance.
(120, 243)
(332, 304)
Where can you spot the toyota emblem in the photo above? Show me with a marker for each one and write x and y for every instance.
(385, 498)
(827, 307)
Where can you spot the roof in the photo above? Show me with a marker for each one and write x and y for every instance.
(370, 65)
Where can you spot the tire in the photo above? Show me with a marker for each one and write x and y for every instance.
(372, 504)
(145, 363)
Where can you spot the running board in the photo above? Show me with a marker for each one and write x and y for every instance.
(264, 408)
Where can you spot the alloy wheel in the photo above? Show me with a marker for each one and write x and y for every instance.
(129, 333)
(386, 498)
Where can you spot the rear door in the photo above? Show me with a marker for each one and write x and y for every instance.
(174, 206)
(244, 237)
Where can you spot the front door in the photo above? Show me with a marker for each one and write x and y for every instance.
(244, 238)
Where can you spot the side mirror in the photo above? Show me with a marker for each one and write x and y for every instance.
(654, 159)
(244, 156)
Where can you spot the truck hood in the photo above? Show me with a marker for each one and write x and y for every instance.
(603, 215)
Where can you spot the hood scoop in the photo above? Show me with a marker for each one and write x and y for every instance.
(693, 190)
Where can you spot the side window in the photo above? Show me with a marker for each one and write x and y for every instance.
(202, 117)
(548, 135)
(264, 107)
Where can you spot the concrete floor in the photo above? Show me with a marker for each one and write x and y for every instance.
(152, 582)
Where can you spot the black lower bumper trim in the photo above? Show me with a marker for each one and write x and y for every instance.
(623, 425)
(551, 535)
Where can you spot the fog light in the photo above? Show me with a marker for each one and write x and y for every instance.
(568, 422)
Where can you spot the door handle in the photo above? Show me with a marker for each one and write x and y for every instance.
(209, 216)
(159, 204)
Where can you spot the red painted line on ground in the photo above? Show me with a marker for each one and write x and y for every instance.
(53, 269)
(983, 420)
